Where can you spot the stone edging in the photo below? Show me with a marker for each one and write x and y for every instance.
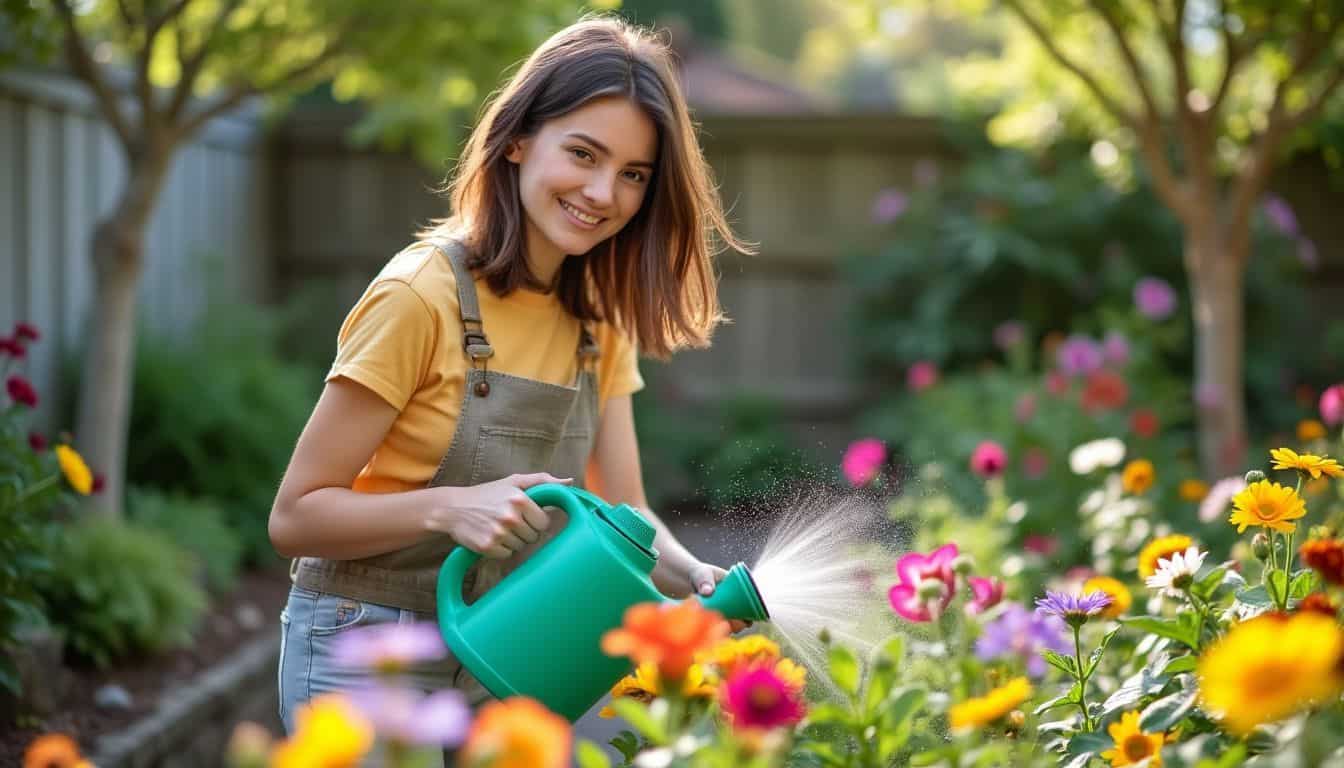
(214, 700)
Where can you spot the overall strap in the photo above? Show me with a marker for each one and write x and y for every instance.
(474, 342)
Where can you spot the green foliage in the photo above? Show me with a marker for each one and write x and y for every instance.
(196, 525)
(216, 415)
(121, 590)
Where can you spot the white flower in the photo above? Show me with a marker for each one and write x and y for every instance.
(1088, 457)
(1175, 573)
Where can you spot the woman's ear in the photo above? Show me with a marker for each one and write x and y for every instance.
(514, 151)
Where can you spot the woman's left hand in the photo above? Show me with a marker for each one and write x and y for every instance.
(704, 577)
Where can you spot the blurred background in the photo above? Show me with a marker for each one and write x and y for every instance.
(1033, 224)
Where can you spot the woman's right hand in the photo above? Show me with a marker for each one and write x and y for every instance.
(495, 519)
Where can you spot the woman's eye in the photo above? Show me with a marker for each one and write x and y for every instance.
(581, 153)
(635, 176)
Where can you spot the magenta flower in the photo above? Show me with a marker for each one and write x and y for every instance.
(1332, 405)
(889, 205)
(389, 648)
(756, 697)
(986, 592)
(1009, 334)
(989, 459)
(862, 461)
(921, 376)
(1154, 298)
(1079, 356)
(1280, 215)
(1115, 348)
(1040, 544)
(1075, 610)
(408, 716)
(927, 583)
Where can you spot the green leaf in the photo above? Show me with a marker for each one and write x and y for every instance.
(1302, 585)
(1089, 743)
(844, 669)
(1257, 597)
(1095, 657)
(1064, 700)
(825, 751)
(893, 648)
(1066, 664)
(1276, 583)
(638, 716)
(829, 713)
(902, 706)
(1181, 664)
(1173, 629)
(627, 743)
(1207, 586)
(592, 756)
(1261, 741)
(1167, 711)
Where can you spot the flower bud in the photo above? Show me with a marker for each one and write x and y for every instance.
(963, 564)
(1017, 720)
(1254, 476)
(931, 589)
(1260, 547)
(824, 636)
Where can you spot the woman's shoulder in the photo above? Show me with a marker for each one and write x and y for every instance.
(425, 269)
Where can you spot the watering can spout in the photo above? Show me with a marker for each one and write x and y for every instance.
(737, 596)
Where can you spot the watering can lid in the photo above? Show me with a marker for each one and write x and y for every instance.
(632, 525)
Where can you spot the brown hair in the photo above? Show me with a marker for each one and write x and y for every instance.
(654, 279)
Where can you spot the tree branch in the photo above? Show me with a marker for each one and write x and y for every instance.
(191, 65)
(1136, 70)
(88, 70)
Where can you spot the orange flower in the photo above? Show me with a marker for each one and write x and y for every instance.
(1309, 429)
(1137, 476)
(1193, 490)
(517, 732)
(666, 635)
(1326, 557)
(1318, 603)
(53, 750)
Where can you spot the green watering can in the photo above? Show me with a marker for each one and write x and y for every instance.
(537, 632)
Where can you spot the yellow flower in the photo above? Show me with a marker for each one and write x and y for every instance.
(645, 686)
(1119, 593)
(1193, 490)
(75, 470)
(1306, 463)
(1270, 667)
(794, 675)
(1133, 745)
(1267, 504)
(1162, 546)
(1137, 476)
(1309, 429)
(329, 733)
(990, 707)
(734, 652)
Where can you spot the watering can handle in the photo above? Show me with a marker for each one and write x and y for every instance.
(455, 566)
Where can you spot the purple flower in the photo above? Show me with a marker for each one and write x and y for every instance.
(1020, 633)
(1280, 215)
(1073, 609)
(1115, 348)
(408, 716)
(1009, 334)
(1154, 298)
(889, 205)
(1078, 356)
(389, 647)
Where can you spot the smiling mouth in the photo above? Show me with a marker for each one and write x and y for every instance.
(585, 219)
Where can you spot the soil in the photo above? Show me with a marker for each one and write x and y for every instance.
(233, 619)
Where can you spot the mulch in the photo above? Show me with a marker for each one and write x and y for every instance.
(233, 619)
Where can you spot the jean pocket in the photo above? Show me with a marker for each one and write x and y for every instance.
(334, 613)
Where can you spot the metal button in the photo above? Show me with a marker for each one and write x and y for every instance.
(482, 388)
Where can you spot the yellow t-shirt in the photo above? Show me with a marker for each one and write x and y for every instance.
(403, 340)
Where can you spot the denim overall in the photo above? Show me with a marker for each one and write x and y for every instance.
(507, 425)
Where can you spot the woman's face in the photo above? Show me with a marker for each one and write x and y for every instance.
(582, 177)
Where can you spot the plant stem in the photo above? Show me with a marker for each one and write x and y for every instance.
(33, 489)
(1082, 681)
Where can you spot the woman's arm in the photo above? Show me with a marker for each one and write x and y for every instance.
(316, 514)
(614, 474)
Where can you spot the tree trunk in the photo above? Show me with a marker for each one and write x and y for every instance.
(106, 378)
(1216, 289)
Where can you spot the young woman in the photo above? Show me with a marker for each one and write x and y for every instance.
(499, 351)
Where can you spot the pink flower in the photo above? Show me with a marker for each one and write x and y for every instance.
(21, 391)
(986, 593)
(921, 376)
(1115, 348)
(863, 460)
(926, 584)
(1332, 405)
(1035, 462)
(889, 205)
(1040, 544)
(389, 647)
(756, 697)
(989, 459)
(1154, 298)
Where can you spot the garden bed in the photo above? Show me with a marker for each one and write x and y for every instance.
(233, 621)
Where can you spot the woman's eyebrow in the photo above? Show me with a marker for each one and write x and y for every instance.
(604, 149)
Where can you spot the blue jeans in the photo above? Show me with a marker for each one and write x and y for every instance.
(309, 626)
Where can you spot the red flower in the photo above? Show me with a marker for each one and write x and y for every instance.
(37, 442)
(1104, 391)
(13, 347)
(26, 332)
(21, 391)
(1143, 422)
(1040, 544)
(99, 482)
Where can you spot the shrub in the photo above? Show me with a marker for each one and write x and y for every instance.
(197, 525)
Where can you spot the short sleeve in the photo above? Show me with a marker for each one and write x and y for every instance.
(618, 370)
(387, 342)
